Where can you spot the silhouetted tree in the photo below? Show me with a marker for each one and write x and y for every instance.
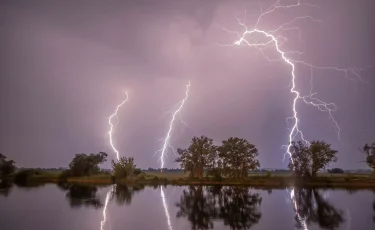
(86, 164)
(369, 150)
(312, 207)
(7, 167)
(238, 156)
(199, 156)
(308, 160)
(124, 168)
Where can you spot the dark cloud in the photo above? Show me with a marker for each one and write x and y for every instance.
(66, 64)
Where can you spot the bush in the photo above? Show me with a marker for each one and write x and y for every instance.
(268, 174)
(216, 174)
(137, 171)
(21, 177)
(7, 167)
(65, 174)
(124, 168)
(335, 170)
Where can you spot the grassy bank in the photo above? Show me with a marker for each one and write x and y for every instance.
(344, 181)
(179, 178)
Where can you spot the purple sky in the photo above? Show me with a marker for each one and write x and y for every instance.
(65, 65)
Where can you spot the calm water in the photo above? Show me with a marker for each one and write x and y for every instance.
(75, 207)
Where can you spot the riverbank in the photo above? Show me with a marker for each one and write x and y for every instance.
(180, 179)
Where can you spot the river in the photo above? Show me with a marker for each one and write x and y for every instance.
(77, 207)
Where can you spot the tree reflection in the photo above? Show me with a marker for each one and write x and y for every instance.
(239, 209)
(236, 206)
(195, 206)
(5, 187)
(81, 195)
(124, 194)
(312, 207)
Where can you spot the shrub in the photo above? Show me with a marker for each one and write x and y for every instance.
(137, 171)
(64, 175)
(21, 177)
(124, 168)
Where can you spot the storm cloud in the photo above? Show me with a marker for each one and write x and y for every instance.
(65, 65)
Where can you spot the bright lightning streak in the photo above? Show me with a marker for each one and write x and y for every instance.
(165, 208)
(167, 138)
(112, 126)
(247, 38)
(295, 206)
(107, 198)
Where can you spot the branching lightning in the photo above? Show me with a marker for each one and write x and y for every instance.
(167, 138)
(111, 125)
(270, 38)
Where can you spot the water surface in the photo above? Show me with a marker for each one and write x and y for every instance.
(76, 207)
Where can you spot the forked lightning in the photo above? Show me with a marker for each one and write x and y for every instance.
(270, 38)
(167, 138)
(111, 125)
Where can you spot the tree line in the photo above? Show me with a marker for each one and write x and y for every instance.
(234, 158)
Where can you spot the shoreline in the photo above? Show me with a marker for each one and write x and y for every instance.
(253, 181)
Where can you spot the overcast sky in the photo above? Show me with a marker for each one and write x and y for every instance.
(65, 65)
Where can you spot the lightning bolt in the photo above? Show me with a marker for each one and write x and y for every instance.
(111, 125)
(167, 138)
(271, 39)
(107, 198)
(165, 208)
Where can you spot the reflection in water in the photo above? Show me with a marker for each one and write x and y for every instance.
(300, 220)
(349, 219)
(81, 195)
(123, 195)
(107, 198)
(312, 207)
(165, 208)
(5, 187)
(236, 206)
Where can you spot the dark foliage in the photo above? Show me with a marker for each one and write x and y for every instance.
(369, 150)
(86, 164)
(199, 156)
(81, 195)
(7, 167)
(5, 187)
(123, 194)
(336, 170)
(236, 206)
(308, 160)
(238, 156)
(312, 207)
